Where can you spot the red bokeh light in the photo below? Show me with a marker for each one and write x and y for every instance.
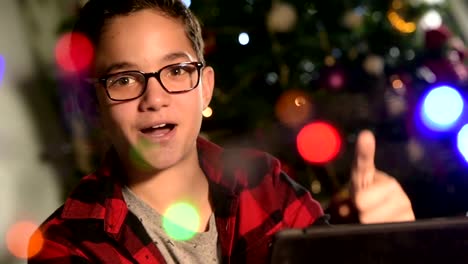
(74, 52)
(23, 240)
(318, 142)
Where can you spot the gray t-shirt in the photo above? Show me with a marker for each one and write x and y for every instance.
(202, 248)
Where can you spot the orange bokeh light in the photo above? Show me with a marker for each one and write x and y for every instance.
(318, 142)
(24, 240)
(74, 52)
(293, 108)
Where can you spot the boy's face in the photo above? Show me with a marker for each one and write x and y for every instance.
(147, 41)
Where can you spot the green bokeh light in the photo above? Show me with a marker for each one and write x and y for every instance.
(181, 221)
(136, 155)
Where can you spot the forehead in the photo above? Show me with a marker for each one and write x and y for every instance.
(144, 37)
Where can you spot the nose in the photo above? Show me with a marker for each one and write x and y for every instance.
(155, 97)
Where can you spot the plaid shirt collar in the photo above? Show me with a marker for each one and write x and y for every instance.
(109, 205)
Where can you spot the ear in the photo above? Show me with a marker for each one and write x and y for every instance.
(208, 80)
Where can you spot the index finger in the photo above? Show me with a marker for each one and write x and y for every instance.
(364, 167)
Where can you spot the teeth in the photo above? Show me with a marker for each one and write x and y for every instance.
(159, 126)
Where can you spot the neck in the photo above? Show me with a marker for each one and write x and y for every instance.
(184, 182)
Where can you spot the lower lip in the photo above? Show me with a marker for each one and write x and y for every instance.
(160, 139)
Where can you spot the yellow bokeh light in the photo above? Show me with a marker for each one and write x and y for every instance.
(300, 101)
(208, 112)
(400, 24)
(397, 4)
(316, 187)
(293, 108)
(330, 61)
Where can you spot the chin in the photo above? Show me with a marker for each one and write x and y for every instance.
(154, 162)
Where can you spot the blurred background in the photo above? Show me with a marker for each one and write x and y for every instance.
(296, 78)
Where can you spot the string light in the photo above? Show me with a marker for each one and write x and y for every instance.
(316, 187)
(431, 20)
(244, 38)
(397, 21)
(330, 61)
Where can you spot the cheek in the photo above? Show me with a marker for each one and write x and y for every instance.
(114, 117)
(119, 117)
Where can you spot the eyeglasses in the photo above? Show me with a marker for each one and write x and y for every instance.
(174, 79)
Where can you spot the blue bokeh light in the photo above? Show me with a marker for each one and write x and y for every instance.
(462, 141)
(2, 68)
(441, 108)
(187, 3)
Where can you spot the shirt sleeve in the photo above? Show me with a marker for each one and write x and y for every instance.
(300, 210)
(56, 251)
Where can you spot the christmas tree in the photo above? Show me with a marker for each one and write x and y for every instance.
(287, 68)
(352, 64)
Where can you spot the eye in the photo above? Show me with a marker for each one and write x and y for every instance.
(124, 80)
(121, 80)
(179, 70)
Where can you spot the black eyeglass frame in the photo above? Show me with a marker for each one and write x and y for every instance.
(147, 75)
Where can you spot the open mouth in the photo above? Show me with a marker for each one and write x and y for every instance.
(158, 130)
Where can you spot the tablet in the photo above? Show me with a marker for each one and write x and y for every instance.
(422, 241)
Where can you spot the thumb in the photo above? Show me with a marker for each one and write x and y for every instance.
(364, 167)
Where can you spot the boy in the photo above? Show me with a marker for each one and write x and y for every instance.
(157, 159)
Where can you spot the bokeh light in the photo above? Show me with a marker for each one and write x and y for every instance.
(136, 154)
(431, 20)
(330, 61)
(74, 52)
(271, 78)
(397, 84)
(442, 107)
(434, 2)
(415, 150)
(394, 52)
(208, 112)
(336, 80)
(244, 38)
(187, 3)
(316, 187)
(23, 241)
(462, 141)
(318, 142)
(2, 68)
(181, 221)
(293, 108)
(398, 22)
(344, 210)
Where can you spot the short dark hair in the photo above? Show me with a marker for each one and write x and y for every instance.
(95, 13)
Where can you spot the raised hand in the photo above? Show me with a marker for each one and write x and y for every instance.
(378, 197)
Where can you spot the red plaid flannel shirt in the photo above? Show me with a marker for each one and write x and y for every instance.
(252, 199)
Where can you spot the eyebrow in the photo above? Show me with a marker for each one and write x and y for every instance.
(167, 58)
(118, 66)
(176, 55)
